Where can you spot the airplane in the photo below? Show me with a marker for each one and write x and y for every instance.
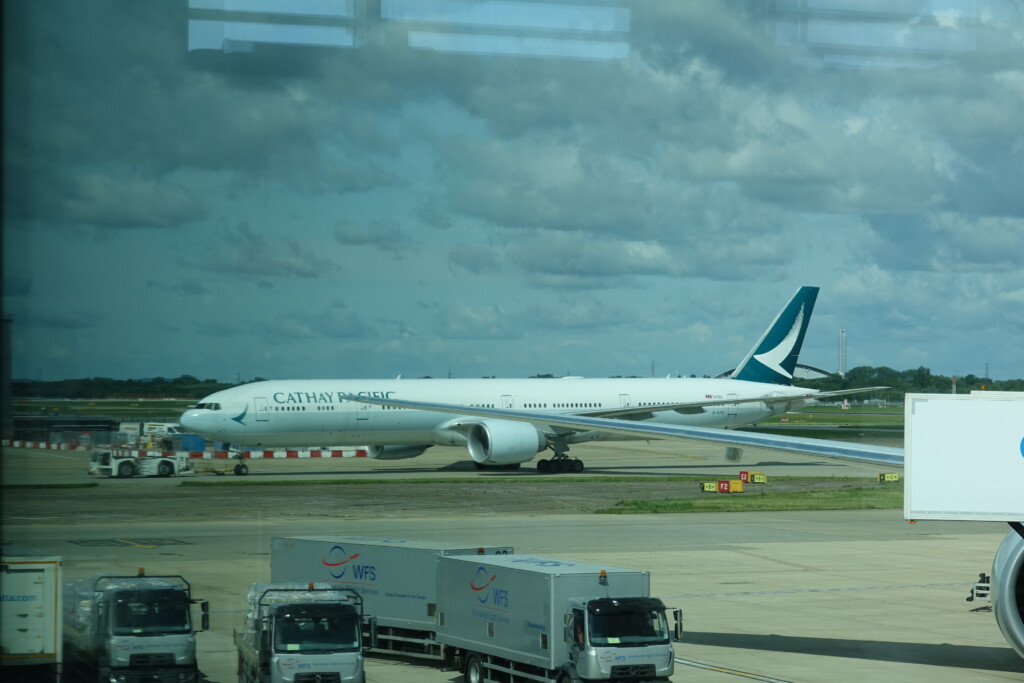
(392, 416)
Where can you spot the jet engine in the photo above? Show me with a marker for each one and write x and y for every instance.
(1008, 588)
(501, 442)
(395, 452)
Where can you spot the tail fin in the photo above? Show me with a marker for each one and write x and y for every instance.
(773, 358)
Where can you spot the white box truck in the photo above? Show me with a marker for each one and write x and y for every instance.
(294, 632)
(529, 618)
(132, 628)
(396, 578)
(30, 614)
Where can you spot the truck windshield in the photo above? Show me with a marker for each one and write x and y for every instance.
(629, 627)
(316, 634)
(150, 613)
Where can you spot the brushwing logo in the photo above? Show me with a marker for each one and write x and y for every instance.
(337, 561)
(773, 358)
(480, 583)
(1022, 447)
(240, 419)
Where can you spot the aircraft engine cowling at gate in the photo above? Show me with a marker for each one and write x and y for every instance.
(1008, 589)
(395, 452)
(501, 442)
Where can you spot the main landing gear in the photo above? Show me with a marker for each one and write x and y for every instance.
(560, 462)
(560, 465)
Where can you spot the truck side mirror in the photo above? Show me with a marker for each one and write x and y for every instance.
(677, 627)
(205, 622)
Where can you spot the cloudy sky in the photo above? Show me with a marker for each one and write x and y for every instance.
(367, 188)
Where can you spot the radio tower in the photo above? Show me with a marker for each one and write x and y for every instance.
(842, 353)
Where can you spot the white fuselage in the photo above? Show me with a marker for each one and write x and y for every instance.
(301, 413)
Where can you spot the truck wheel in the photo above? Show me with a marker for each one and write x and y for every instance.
(474, 670)
(164, 469)
(241, 469)
(125, 469)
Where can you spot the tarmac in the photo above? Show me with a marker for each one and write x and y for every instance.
(771, 596)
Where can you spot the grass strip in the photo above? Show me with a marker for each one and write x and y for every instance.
(50, 486)
(848, 499)
(245, 481)
(476, 481)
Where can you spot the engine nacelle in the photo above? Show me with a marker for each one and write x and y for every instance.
(501, 442)
(395, 452)
(1008, 589)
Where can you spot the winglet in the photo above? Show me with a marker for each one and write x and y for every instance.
(773, 358)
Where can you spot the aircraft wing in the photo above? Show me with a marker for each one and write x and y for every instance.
(697, 407)
(728, 437)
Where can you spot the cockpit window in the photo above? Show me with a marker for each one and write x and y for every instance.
(207, 406)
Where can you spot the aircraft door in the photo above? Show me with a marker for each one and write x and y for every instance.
(506, 402)
(732, 407)
(624, 401)
(262, 409)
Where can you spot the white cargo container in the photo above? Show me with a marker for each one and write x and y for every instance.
(964, 456)
(523, 617)
(964, 460)
(30, 614)
(396, 578)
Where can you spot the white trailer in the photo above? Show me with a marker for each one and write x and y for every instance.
(964, 460)
(30, 615)
(529, 618)
(396, 578)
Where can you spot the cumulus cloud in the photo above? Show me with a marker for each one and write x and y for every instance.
(243, 250)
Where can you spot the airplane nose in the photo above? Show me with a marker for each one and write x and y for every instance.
(189, 421)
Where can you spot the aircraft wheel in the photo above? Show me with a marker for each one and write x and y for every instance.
(241, 469)
(564, 465)
(544, 466)
(577, 466)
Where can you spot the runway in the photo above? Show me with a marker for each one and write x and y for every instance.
(808, 596)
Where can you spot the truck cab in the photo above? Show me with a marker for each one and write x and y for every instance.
(621, 638)
(129, 628)
(294, 635)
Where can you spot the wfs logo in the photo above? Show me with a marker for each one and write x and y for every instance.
(339, 563)
(482, 585)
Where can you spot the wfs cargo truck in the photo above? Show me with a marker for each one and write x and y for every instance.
(128, 628)
(396, 578)
(295, 632)
(495, 615)
(528, 618)
(30, 615)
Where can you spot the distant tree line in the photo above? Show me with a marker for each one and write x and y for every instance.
(900, 382)
(185, 387)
